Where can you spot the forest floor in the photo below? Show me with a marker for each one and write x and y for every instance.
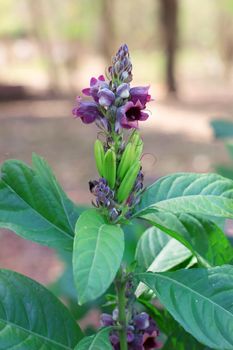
(177, 137)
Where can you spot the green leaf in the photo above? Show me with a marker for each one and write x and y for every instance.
(97, 254)
(34, 206)
(225, 170)
(99, 341)
(201, 194)
(203, 237)
(32, 318)
(222, 128)
(156, 251)
(201, 300)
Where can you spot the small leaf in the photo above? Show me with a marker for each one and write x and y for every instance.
(99, 341)
(34, 206)
(200, 194)
(203, 237)
(32, 318)
(97, 254)
(157, 252)
(201, 300)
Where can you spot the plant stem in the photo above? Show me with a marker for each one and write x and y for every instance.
(120, 286)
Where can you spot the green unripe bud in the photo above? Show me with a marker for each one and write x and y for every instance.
(110, 168)
(128, 182)
(135, 138)
(127, 159)
(139, 149)
(99, 156)
(138, 144)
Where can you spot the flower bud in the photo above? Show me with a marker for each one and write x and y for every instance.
(99, 156)
(141, 321)
(106, 97)
(123, 90)
(110, 168)
(106, 320)
(128, 182)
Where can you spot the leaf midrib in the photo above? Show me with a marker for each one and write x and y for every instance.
(192, 290)
(155, 205)
(34, 334)
(38, 213)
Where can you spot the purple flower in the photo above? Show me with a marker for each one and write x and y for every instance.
(140, 93)
(123, 90)
(106, 320)
(141, 321)
(150, 342)
(87, 110)
(130, 114)
(95, 86)
(106, 97)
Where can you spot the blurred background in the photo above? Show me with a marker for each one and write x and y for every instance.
(49, 49)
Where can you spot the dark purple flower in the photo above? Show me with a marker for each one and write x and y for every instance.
(130, 114)
(106, 320)
(87, 110)
(130, 336)
(123, 90)
(114, 339)
(95, 86)
(150, 342)
(141, 321)
(137, 343)
(140, 93)
(106, 97)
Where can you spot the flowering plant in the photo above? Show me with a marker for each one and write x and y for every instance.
(177, 291)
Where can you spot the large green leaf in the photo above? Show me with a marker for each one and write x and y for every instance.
(201, 300)
(202, 194)
(97, 254)
(32, 318)
(99, 341)
(33, 205)
(156, 251)
(203, 237)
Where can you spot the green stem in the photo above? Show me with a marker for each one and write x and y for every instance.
(120, 286)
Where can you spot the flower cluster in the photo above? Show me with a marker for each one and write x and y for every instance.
(142, 331)
(115, 105)
(104, 197)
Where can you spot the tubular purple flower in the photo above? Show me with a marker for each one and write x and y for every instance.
(123, 90)
(95, 86)
(140, 93)
(106, 97)
(87, 110)
(130, 114)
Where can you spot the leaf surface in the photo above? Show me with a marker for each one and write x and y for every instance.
(34, 206)
(97, 254)
(99, 341)
(32, 318)
(200, 194)
(201, 300)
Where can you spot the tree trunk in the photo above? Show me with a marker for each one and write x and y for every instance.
(169, 19)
